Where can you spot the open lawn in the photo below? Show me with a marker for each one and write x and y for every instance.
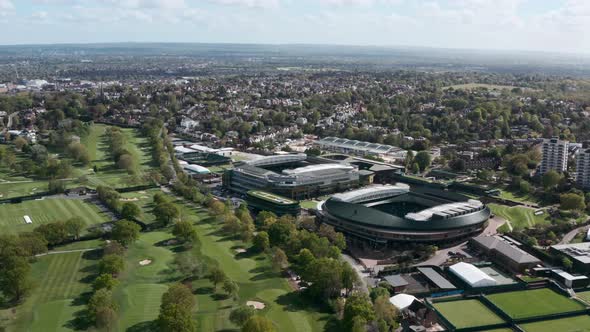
(585, 296)
(61, 283)
(519, 217)
(517, 197)
(46, 211)
(570, 324)
(467, 313)
(108, 174)
(532, 303)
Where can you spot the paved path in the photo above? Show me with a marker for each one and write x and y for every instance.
(567, 238)
(65, 251)
(359, 270)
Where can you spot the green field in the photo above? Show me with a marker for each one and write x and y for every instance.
(532, 303)
(570, 324)
(467, 313)
(471, 86)
(519, 217)
(61, 281)
(108, 174)
(585, 296)
(517, 197)
(46, 211)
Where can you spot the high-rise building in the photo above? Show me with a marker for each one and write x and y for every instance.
(554, 155)
(583, 167)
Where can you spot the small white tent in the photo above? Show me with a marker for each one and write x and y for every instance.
(402, 301)
(473, 276)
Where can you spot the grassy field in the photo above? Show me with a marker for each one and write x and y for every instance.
(585, 296)
(467, 313)
(519, 217)
(108, 174)
(532, 303)
(570, 324)
(46, 211)
(517, 197)
(61, 283)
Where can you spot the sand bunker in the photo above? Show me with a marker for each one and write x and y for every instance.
(145, 262)
(241, 250)
(134, 199)
(141, 192)
(256, 305)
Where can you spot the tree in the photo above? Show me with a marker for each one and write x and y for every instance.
(217, 276)
(358, 305)
(130, 211)
(241, 315)
(106, 319)
(126, 232)
(261, 242)
(189, 265)
(20, 142)
(166, 212)
(126, 162)
(111, 264)
(104, 281)
(551, 179)
(175, 310)
(350, 277)
(178, 294)
(113, 248)
(216, 208)
(174, 318)
(258, 324)
(231, 288)
(14, 276)
(185, 231)
(279, 259)
(378, 292)
(265, 218)
(74, 226)
(572, 201)
(384, 310)
(32, 243)
(423, 159)
(279, 233)
(54, 233)
(101, 299)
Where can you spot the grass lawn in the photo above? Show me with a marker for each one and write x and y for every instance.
(309, 204)
(46, 211)
(61, 283)
(22, 188)
(517, 197)
(467, 313)
(585, 296)
(108, 174)
(519, 217)
(570, 324)
(532, 303)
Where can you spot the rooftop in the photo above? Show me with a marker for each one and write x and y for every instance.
(271, 197)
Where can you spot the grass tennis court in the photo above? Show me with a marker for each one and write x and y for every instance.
(519, 217)
(569, 324)
(532, 303)
(46, 211)
(467, 313)
(585, 296)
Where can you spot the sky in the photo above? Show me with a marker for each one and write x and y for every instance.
(561, 26)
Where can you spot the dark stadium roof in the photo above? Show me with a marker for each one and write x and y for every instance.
(360, 214)
(436, 278)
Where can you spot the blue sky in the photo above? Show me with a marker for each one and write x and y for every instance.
(543, 25)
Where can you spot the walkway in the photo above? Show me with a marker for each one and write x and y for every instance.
(65, 251)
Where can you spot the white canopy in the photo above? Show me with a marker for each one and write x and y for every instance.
(472, 275)
(402, 301)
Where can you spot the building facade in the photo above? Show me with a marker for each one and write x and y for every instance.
(554, 155)
(583, 167)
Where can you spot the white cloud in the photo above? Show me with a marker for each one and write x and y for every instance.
(249, 3)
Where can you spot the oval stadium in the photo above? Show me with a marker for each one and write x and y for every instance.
(384, 214)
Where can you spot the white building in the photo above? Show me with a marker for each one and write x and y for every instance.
(554, 155)
(471, 275)
(583, 168)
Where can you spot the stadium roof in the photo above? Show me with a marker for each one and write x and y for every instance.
(373, 192)
(436, 278)
(446, 210)
(196, 169)
(317, 168)
(277, 159)
(473, 276)
(396, 280)
(359, 145)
